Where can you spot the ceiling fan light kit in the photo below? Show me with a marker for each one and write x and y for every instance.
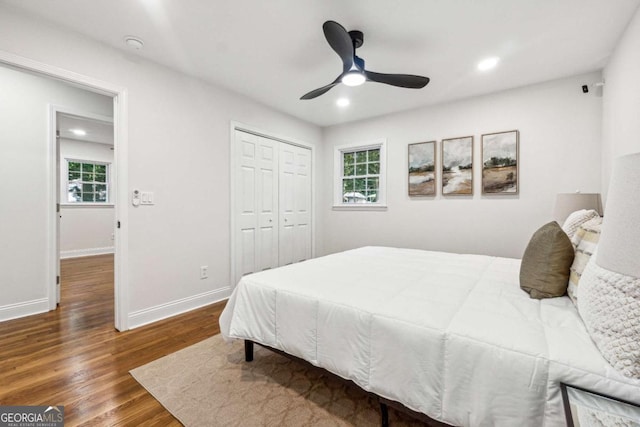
(353, 71)
(353, 78)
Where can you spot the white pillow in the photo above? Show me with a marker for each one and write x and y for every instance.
(576, 219)
(584, 242)
(609, 304)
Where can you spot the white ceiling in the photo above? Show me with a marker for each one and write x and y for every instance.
(96, 130)
(274, 51)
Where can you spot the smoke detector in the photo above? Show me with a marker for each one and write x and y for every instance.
(133, 42)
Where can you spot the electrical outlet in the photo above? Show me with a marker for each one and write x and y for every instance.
(204, 272)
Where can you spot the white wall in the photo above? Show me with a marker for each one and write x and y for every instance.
(84, 230)
(560, 131)
(621, 100)
(178, 148)
(24, 127)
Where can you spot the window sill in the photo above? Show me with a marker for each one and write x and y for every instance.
(359, 207)
(86, 205)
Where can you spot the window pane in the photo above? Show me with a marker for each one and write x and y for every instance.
(372, 197)
(374, 155)
(73, 192)
(374, 168)
(361, 157)
(349, 170)
(348, 158)
(87, 188)
(88, 176)
(372, 184)
(74, 175)
(74, 166)
(101, 169)
(347, 185)
(100, 178)
(361, 184)
(87, 167)
(87, 197)
(101, 193)
(361, 169)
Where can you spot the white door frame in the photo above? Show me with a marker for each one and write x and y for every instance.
(120, 184)
(232, 187)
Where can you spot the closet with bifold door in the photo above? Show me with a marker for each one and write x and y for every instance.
(272, 203)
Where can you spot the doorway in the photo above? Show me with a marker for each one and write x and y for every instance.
(85, 205)
(47, 248)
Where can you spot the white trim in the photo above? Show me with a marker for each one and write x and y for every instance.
(86, 205)
(22, 309)
(338, 151)
(77, 253)
(119, 94)
(173, 308)
(359, 207)
(234, 126)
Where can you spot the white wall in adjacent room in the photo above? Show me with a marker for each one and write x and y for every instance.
(178, 145)
(84, 230)
(560, 134)
(24, 177)
(621, 100)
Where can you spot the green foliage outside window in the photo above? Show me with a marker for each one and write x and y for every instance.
(361, 176)
(87, 182)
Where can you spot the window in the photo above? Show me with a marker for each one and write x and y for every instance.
(87, 182)
(360, 176)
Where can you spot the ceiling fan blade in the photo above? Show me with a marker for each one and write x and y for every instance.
(401, 80)
(340, 41)
(321, 90)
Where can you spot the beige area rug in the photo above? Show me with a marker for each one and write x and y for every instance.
(210, 384)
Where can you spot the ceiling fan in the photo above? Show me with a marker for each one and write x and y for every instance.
(353, 72)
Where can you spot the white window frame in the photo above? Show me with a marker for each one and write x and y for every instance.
(107, 182)
(339, 151)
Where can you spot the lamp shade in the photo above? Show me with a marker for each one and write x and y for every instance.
(566, 203)
(619, 246)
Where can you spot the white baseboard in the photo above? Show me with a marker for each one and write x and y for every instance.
(22, 309)
(75, 253)
(163, 311)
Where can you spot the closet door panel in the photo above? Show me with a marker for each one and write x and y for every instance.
(287, 205)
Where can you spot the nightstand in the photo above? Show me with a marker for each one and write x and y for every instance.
(585, 408)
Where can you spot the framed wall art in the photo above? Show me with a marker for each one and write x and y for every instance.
(457, 166)
(422, 169)
(500, 162)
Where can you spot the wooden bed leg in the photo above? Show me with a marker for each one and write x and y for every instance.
(248, 351)
(384, 414)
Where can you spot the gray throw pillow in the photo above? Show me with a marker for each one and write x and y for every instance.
(546, 263)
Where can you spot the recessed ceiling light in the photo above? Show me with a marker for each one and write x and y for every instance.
(342, 102)
(134, 42)
(78, 132)
(489, 63)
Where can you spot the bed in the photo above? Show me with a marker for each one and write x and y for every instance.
(448, 335)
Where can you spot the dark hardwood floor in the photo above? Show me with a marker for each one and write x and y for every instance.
(74, 357)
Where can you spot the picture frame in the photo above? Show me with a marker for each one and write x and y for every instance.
(500, 162)
(457, 166)
(422, 169)
(580, 404)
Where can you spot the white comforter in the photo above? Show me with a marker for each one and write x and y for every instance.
(449, 335)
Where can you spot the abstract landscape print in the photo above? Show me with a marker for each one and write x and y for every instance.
(500, 162)
(457, 166)
(422, 169)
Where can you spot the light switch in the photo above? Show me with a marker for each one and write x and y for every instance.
(146, 198)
